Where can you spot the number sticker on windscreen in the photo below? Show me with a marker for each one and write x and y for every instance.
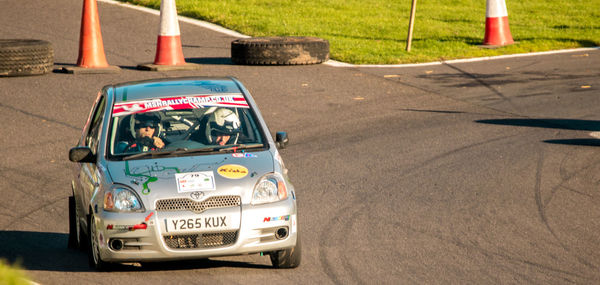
(195, 181)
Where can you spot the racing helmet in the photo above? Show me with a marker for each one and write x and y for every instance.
(143, 120)
(222, 122)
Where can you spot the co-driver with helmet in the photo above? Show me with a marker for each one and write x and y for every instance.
(223, 127)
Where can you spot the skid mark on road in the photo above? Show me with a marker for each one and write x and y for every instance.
(39, 117)
(38, 178)
(20, 218)
(486, 85)
(344, 235)
(542, 209)
(452, 152)
(565, 177)
(36, 145)
(443, 95)
(538, 194)
(335, 231)
(328, 268)
(28, 183)
(489, 254)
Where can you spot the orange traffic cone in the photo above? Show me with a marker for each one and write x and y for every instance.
(169, 53)
(497, 32)
(91, 49)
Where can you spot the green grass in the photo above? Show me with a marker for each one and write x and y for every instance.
(375, 31)
(12, 275)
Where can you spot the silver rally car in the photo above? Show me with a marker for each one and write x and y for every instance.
(176, 169)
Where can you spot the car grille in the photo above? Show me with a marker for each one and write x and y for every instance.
(206, 240)
(187, 204)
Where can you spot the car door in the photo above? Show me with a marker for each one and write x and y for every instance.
(89, 176)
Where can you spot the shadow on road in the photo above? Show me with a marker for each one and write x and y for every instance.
(210, 60)
(48, 252)
(581, 142)
(58, 66)
(41, 251)
(565, 124)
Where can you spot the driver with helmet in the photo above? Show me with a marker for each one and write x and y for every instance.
(145, 126)
(223, 127)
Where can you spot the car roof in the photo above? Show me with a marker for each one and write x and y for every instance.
(171, 87)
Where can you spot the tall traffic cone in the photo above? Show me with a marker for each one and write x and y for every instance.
(497, 32)
(91, 49)
(169, 54)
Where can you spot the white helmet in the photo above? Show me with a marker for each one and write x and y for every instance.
(223, 122)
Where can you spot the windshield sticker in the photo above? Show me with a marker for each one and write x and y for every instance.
(151, 173)
(233, 171)
(179, 103)
(195, 181)
(242, 155)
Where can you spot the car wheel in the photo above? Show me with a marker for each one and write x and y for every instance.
(95, 260)
(20, 57)
(279, 51)
(74, 229)
(287, 258)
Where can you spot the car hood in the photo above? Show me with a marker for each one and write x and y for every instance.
(231, 174)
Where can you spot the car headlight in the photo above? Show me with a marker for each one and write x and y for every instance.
(122, 199)
(269, 188)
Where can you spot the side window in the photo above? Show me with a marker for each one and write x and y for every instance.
(92, 137)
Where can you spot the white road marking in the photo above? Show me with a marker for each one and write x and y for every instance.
(469, 59)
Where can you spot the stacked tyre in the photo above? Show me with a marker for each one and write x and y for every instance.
(279, 51)
(20, 57)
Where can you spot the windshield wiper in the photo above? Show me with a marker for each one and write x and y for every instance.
(237, 147)
(224, 148)
(195, 150)
(151, 154)
(221, 148)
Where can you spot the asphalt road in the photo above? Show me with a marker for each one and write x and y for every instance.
(465, 173)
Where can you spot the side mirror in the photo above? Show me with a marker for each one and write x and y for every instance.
(281, 139)
(81, 154)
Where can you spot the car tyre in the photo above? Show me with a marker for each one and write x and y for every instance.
(94, 257)
(20, 57)
(279, 51)
(287, 258)
(74, 228)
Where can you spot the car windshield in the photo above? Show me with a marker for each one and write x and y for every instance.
(182, 125)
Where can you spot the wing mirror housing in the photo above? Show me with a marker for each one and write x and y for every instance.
(81, 154)
(281, 140)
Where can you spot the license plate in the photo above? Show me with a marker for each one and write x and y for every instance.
(198, 223)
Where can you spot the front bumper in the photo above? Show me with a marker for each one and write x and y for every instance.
(122, 237)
